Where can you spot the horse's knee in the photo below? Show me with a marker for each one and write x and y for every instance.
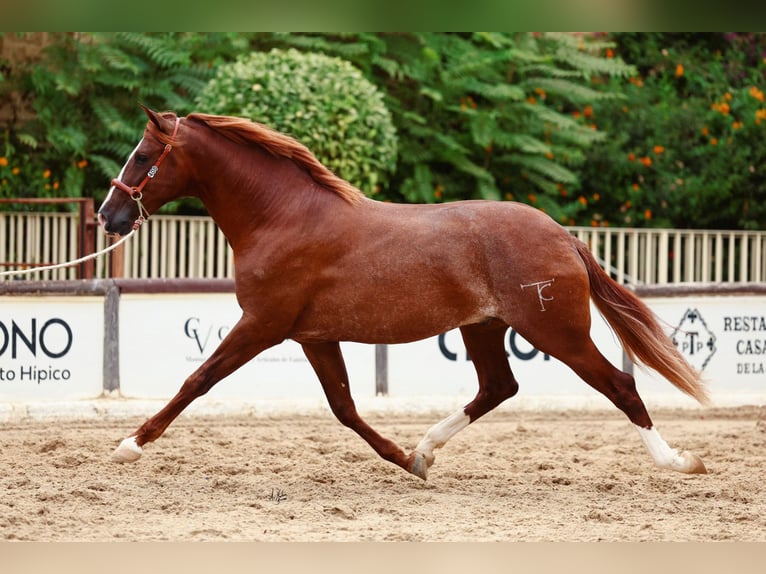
(346, 414)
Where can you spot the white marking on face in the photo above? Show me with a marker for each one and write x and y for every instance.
(122, 172)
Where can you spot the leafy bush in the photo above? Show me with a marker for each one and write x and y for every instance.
(323, 102)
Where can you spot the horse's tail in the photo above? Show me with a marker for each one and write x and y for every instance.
(638, 330)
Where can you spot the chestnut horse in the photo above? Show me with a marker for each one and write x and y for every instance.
(318, 262)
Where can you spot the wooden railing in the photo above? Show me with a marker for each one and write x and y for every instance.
(193, 247)
(36, 239)
(665, 256)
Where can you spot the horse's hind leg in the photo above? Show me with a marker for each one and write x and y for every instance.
(485, 346)
(328, 364)
(620, 388)
(577, 350)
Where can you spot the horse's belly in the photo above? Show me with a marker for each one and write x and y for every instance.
(388, 320)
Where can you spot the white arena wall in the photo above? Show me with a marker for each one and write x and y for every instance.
(137, 340)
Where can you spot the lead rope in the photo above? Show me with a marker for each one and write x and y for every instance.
(70, 263)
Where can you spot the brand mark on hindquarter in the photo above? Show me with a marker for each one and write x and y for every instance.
(541, 285)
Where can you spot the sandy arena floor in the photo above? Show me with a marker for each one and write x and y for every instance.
(513, 476)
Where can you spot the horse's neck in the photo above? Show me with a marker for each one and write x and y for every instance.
(261, 193)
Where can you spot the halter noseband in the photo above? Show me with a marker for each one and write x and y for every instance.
(136, 192)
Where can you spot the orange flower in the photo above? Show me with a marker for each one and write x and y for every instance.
(55, 185)
(737, 125)
(575, 114)
(648, 214)
(3, 161)
(531, 100)
(756, 93)
(647, 161)
(658, 149)
(679, 70)
(588, 111)
(705, 131)
(15, 171)
(582, 200)
(636, 187)
(540, 92)
(631, 156)
(722, 107)
(47, 173)
(532, 198)
(713, 141)
(438, 190)
(609, 53)
(82, 163)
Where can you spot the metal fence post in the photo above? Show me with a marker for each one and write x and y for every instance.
(112, 338)
(381, 370)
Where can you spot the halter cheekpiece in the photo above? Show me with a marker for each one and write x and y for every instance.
(136, 192)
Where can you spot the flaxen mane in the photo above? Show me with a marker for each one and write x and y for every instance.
(241, 130)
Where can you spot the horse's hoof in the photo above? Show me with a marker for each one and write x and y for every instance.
(693, 463)
(419, 466)
(128, 451)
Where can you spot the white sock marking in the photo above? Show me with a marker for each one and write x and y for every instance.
(441, 432)
(660, 451)
(128, 451)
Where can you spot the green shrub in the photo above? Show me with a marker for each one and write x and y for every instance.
(323, 102)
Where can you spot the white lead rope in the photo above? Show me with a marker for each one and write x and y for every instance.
(69, 263)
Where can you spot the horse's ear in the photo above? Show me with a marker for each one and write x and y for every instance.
(163, 124)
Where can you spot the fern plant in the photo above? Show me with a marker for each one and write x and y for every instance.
(489, 115)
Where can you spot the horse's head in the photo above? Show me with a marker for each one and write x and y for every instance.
(148, 180)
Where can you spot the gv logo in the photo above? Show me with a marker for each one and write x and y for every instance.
(201, 336)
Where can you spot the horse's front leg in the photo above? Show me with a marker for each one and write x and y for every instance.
(240, 345)
(327, 361)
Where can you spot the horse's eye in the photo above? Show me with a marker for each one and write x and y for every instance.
(141, 159)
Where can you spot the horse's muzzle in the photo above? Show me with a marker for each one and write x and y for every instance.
(115, 225)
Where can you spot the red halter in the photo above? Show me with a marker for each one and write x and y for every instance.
(136, 193)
